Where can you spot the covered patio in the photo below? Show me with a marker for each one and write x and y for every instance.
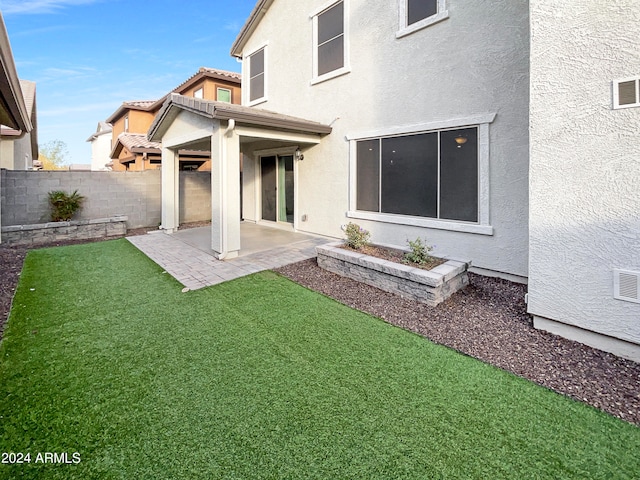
(254, 156)
(185, 254)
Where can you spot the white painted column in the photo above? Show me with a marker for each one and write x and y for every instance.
(170, 190)
(225, 191)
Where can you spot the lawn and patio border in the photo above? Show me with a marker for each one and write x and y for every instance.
(45, 233)
(427, 286)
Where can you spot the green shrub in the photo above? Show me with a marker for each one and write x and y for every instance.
(64, 205)
(420, 252)
(356, 237)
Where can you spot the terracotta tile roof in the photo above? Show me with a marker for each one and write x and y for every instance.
(141, 104)
(134, 141)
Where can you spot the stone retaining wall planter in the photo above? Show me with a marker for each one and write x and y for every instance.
(56, 231)
(427, 286)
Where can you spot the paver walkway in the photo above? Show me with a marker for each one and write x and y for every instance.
(195, 268)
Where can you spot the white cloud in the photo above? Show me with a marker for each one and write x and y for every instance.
(86, 107)
(39, 6)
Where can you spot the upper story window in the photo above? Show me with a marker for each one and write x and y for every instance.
(330, 42)
(126, 123)
(417, 14)
(257, 76)
(223, 95)
(199, 93)
(626, 92)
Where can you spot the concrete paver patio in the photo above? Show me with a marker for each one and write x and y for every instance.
(186, 255)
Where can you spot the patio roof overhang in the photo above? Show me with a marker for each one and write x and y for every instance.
(250, 118)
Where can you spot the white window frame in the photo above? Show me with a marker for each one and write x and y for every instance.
(482, 226)
(314, 19)
(126, 123)
(225, 90)
(201, 91)
(616, 92)
(247, 79)
(403, 12)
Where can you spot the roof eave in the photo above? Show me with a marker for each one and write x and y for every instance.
(250, 25)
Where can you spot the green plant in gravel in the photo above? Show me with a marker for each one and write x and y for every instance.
(357, 237)
(420, 252)
(64, 205)
(262, 378)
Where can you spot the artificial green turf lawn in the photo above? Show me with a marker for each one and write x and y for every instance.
(262, 378)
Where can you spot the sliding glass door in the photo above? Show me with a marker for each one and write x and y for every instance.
(277, 188)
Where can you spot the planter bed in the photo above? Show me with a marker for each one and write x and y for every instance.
(427, 286)
(56, 231)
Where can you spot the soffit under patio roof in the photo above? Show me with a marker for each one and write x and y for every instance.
(13, 111)
(248, 116)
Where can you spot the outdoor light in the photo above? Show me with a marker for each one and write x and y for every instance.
(460, 140)
(299, 155)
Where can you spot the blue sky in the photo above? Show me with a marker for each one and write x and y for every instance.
(88, 56)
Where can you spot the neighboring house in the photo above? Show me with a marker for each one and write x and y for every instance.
(101, 147)
(427, 135)
(132, 119)
(584, 255)
(13, 110)
(19, 149)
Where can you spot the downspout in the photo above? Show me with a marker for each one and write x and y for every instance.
(223, 190)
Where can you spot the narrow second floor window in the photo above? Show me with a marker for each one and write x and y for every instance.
(330, 39)
(199, 93)
(256, 76)
(126, 123)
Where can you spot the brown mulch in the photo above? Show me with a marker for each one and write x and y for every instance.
(488, 320)
(395, 255)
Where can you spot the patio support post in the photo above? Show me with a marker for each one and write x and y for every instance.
(225, 190)
(170, 191)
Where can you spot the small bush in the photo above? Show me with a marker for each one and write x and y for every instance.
(356, 237)
(64, 205)
(420, 252)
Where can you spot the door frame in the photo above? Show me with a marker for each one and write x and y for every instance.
(276, 152)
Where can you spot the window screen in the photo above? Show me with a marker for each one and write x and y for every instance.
(433, 175)
(420, 9)
(459, 175)
(256, 75)
(410, 175)
(331, 39)
(368, 176)
(627, 93)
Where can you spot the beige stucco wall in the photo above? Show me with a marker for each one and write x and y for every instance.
(466, 65)
(585, 165)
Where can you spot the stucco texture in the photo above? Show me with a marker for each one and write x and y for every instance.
(585, 164)
(474, 62)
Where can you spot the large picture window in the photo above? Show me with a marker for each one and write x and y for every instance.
(257, 76)
(431, 175)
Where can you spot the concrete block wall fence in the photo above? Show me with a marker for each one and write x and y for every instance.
(24, 195)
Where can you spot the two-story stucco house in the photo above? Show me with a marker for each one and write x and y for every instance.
(412, 119)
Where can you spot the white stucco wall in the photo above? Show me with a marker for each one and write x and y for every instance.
(100, 151)
(474, 62)
(585, 165)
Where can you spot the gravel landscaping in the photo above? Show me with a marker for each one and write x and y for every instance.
(486, 320)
